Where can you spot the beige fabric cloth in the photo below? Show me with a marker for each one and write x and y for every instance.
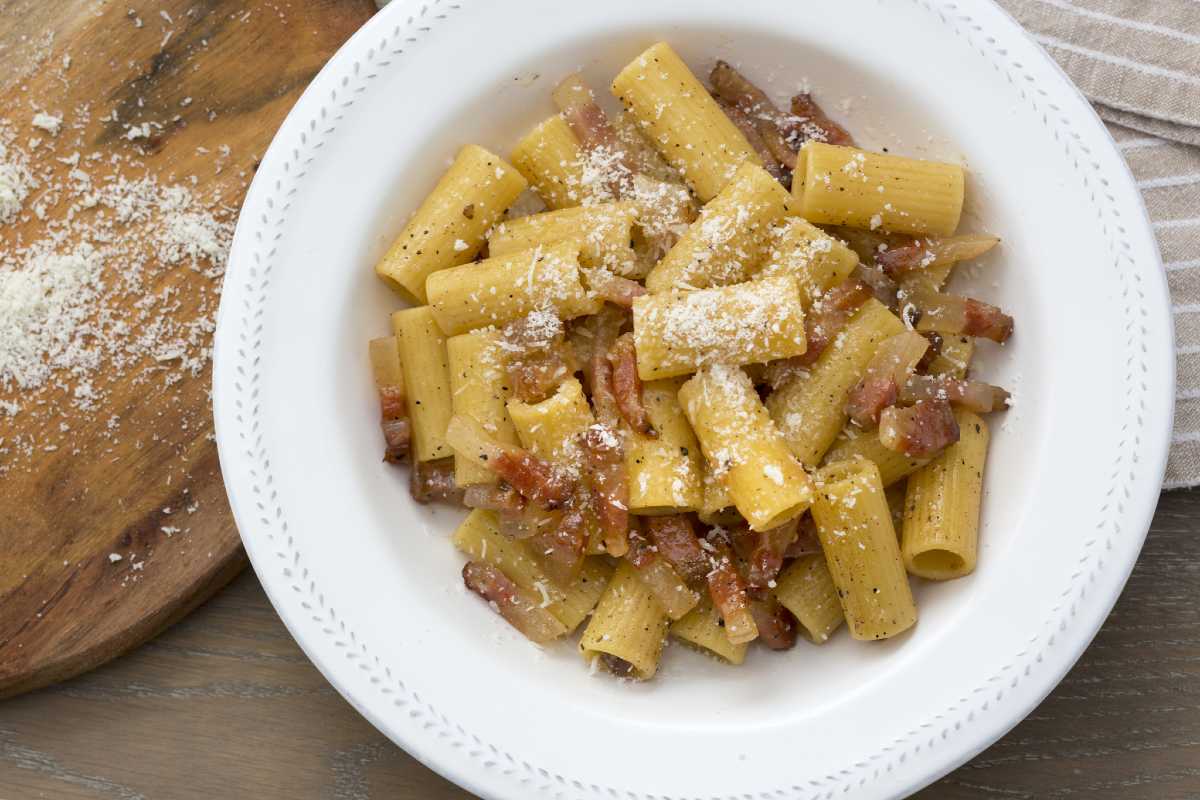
(1138, 61)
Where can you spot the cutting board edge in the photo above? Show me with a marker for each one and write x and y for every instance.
(70, 664)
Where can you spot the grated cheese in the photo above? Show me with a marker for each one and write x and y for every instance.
(47, 122)
(113, 278)
(15, 181)
(541, 587)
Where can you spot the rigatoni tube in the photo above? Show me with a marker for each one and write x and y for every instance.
(427, 374)
(627, 628)
(716, 508)
(855, 528)
(479, 537)
(479, 389)
(448, 228)
(954, 356)
(727, 240)
(809, 408)
(739, 441)
(893, 465)
(806, 589)
(551, 429)
(678, 332)
(666, 472)
(815, 259)
(682, 120)
(501, 289)
(603, 231)
(550, 159)
(846, 186)
(703, 628)
(940, 535)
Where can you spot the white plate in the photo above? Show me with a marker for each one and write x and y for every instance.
(368, 583)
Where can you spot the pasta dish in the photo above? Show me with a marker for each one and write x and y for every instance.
(694, 370)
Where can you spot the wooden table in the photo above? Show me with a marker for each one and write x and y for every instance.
(224, 705)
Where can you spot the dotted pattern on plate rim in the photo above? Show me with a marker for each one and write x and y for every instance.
(267, 230)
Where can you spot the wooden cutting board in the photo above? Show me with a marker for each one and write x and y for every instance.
(98, 549)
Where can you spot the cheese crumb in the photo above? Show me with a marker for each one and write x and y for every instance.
(47, 122)
(15, 183)
(541, 587)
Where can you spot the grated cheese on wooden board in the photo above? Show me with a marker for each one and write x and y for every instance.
(15, 181)
(113, 274)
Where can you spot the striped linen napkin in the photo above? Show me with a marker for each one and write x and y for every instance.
(1138, 61)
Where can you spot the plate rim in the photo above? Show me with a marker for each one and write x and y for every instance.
(411, 17)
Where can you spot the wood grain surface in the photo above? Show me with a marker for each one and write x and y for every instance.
(225, 705)
(224, 73)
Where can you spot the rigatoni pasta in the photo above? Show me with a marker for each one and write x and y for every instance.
(666, 471)
(702, 629)
(717, 503)
(550, 159)
(700, 394)
(696, 137)
(507, 287)
(741, 444)
(815, 259)
(953, 357)
(855, 528)
(480, 538)
(604, 232)
(448, 229)
(422, 348)
(551, 428)
(627, 628)
(893, 466)
(727, 240)
(940, 537)
(807, 590)
(479, 389)
(810, 408)
(679, 332)
(848, 186)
